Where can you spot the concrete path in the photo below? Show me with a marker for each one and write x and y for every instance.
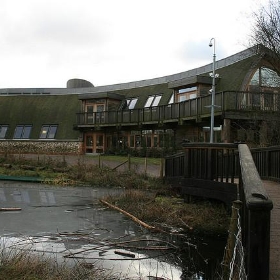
(273, 190)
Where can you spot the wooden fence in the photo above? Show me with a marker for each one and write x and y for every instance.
(233, 163)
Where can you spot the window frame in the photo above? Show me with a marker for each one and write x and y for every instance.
(22, 131)
(49, 134)
(129, 103)
(3, 134)
(153, 101)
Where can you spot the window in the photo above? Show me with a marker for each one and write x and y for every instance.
(187, 93)
(171, 100)
(153, 101)
(265, 77)
(22, 131)
(3, 131)
(48, 131)
(129, 104)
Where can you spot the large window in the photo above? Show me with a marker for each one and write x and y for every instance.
(265, 77)
(22, 131)
(48, 131)
(152, 101)
(3, 131)
(186, 93)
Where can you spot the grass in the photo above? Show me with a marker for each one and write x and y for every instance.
(200, 217)
(135, 160)
(19, 265)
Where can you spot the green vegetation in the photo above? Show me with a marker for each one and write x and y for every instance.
(17, 265)
(170, 213)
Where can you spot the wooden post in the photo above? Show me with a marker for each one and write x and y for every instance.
(258, 244)
(161, 168)
(129, 162)
(99, 160)
(146, 161)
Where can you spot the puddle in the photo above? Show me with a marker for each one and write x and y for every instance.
(71, 225)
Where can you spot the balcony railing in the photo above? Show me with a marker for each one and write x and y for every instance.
(191, 109)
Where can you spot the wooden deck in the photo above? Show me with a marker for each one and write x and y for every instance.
(273, 190)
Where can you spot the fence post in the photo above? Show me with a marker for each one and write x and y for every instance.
(145, 165)
(258, 231)
(161, 168)
(129, 162)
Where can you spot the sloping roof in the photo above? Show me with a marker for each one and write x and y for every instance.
(91, 95)
(37, 110)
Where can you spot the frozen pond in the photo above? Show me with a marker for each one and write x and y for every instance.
(71, 224)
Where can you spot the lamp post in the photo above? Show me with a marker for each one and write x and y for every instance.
(213, 75)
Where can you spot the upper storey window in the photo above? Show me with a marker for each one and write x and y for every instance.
(129, 104)
(186, 93)
(265, 77)
(153, 101)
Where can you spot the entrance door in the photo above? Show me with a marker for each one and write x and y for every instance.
(94, 143)
(99, 143)
(88, 143)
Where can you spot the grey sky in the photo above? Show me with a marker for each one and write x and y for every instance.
(46, 42)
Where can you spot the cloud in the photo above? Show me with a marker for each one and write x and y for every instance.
(47, 42)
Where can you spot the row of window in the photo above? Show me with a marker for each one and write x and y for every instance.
(153, 100)
(24, 131)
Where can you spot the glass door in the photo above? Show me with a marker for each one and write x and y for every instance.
(94, 143)
(89, 141)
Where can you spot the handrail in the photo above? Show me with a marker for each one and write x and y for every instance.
(256, 217)
(190, 109)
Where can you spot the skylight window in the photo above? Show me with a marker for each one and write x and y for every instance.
(22, 131)
(152, 101)
(48, 131)
(129, 104)
(3, 131)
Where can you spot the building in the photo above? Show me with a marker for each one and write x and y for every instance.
(149, 117)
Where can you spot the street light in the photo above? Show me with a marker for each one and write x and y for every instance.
(213, 75)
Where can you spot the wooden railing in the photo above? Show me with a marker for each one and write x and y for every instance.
(190, 109)
(267, 161)
(214, 163)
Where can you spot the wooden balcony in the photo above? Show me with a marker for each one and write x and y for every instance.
(233, 105)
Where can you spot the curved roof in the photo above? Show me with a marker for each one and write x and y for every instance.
(231, 69)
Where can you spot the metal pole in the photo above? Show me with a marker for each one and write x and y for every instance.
(213, 92)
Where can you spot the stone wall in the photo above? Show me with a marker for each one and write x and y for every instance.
(40, 147)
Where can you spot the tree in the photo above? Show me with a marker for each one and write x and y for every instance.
(266, 30)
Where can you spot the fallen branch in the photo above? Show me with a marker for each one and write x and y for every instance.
(10, 209)
(149, 227)
(126, 254)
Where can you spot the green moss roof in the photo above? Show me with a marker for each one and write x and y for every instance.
(40, 110)
(232, 76)
(144, 92)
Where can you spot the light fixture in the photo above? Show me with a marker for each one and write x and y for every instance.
(213, 75)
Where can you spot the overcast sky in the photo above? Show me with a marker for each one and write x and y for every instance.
(44, 43)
